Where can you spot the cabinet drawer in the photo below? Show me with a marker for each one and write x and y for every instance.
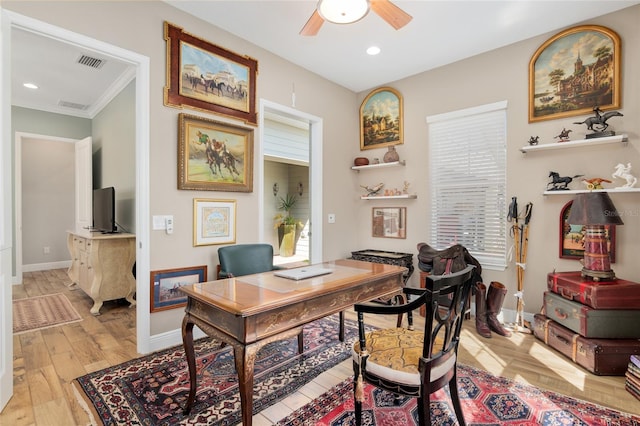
(79, 244)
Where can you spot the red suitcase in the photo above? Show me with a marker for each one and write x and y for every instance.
(603, 357)
(610, 294)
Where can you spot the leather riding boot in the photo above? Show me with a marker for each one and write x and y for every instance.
(495, 298)
(481, 310)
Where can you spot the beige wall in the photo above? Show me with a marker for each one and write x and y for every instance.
(503, 75)
(494, 76)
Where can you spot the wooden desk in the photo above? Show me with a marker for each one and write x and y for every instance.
(251, 311)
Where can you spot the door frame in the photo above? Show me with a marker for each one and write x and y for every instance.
(8, 21)
(315, 172)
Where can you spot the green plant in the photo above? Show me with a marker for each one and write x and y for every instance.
(286, 203)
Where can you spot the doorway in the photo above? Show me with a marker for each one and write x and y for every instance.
(293, 171)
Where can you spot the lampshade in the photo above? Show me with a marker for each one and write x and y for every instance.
(343, 11)
(594, 208)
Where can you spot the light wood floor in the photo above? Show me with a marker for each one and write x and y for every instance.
(46, 361)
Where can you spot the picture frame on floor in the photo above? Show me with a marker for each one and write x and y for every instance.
(165, 286)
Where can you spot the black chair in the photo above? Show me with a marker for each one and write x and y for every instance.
(410, 362)
(245, 259)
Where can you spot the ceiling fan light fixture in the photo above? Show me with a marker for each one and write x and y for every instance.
(343, 11)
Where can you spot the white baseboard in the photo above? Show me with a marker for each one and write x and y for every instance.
(171, 338)
(46, 266)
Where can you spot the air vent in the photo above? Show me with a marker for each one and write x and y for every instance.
(67, 104)
(91, 62)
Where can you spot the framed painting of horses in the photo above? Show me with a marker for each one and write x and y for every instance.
(207, 77)
(381, 119)
(165, 286)
(214, 156)
(572, 237)
(575, 72)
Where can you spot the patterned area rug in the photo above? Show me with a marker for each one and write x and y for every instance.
(36, 313)
(486, 400)
(153, 389)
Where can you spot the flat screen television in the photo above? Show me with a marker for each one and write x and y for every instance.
(104, 210)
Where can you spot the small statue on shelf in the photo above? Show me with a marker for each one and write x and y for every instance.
(624, 172)
(595, 183)
(533, 140)
(372, 190)
(598, 123)
(560, 182)
(564, 135)
(405, 187)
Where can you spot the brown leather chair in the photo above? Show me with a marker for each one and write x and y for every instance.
(410, 362)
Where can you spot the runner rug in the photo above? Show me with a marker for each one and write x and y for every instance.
(153, 389)
(36, 313)
(486, 400)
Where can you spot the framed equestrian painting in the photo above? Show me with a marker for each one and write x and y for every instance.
(165, 286)
(214, 156)
(574, 72)
(389, 222)
(381, 119)
(214, 222)
(207, 77)
(572, 237)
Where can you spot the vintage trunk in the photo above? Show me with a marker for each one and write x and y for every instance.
(592, 323)
(604, 357)
(608, 294)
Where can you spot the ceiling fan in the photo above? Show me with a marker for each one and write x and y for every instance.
(349, 11)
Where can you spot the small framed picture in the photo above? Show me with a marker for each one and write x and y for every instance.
(572, 237)
(389, 222)
(214, 222)
(165, 286)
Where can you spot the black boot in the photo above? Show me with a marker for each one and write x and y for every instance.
(495, 298)
(481, 310)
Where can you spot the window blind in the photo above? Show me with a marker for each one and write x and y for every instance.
(467, 151)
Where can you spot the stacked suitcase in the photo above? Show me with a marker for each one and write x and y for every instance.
(595, 323)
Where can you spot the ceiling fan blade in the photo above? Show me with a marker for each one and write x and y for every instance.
(391, 13)
(313, 25)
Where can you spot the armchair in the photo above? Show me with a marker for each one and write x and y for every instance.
(245, 259)
(410, 362)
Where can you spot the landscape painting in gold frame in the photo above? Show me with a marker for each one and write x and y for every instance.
(214, 156)
(207, 77)
(573, 72)
(381, 119)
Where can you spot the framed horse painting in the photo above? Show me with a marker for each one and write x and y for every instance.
(214, 156)
(574, 72)
(207, 77)
(165, 286)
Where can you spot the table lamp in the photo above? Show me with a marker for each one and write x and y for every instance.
(594, 210)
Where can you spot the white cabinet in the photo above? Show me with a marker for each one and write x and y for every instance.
(101, 265)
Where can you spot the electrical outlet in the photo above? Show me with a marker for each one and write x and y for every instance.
(331, 218)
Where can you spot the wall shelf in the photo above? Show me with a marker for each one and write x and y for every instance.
(580, 191)
(389, 197)
(379, 166)
(575, 144)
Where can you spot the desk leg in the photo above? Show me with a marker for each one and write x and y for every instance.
(245, 357)
(187, 342)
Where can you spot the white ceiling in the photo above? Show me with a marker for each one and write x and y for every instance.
(440, 33)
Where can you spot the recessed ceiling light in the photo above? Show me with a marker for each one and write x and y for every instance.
(30, 86)
(373, 50)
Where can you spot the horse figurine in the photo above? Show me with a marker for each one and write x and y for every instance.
(564, 135)
(533, 140)
(560, 182)
(598, 123)
(624, 172)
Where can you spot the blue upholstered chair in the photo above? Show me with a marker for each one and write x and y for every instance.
(245, 259)
(410, 362)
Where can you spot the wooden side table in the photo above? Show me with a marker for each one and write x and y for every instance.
(388, 257)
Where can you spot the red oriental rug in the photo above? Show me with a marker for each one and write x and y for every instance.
(486, 400)
(153, 389)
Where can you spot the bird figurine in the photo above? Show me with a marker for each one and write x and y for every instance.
(372, 190)
(595, 183)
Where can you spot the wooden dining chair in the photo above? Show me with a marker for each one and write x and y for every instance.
(411, 362)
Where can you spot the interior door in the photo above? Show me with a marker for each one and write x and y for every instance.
(84, 184)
